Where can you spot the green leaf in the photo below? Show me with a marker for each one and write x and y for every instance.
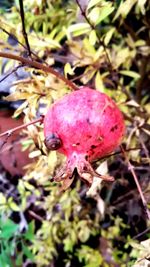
(79, 29)
(19, 259)
(99, 85)
(3, 201)
(124, 8)
(27, 252)
(12, 205)
(141, 4)
(92, 37)
(68, 245)
(68, 69)
(93, 3)
(109, 35)
(4, 260)
(98, 14)
(130, 73)
(8, 229)
(29, 235)
(84, 234)
(29, 186)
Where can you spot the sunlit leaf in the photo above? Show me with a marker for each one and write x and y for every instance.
(98, 14)
(68, 69)
(17, 96)
(99, 85)
(130, 73)
(141, 4)
(92, 37)
(109, 35)
(93, 3)
(13, 205)
(79, 29)
(124, 8)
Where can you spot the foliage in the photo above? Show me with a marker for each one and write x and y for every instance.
(10, 241)
(66, 223)
(106, 46)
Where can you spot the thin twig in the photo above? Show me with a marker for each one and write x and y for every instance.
(13, 37)
(142, 233)
(11, 131)
(21, 44)
(131, 168)
(35, 216)
(23, 27)
(37, 65)
(11, 72)
(117, 152)
(101, 42)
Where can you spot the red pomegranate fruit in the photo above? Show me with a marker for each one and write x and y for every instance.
(84, 125)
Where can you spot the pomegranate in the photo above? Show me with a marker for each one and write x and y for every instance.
(84, 125)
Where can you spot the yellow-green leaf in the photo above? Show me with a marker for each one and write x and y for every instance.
(130, 73)
(93, 3)
(68, 69)
(79, 29)
(92, 37)
(98, 14)
(99, 85)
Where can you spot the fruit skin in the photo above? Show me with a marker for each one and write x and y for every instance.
(84, 125)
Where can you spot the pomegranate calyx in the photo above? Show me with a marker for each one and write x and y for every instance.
(78, 165)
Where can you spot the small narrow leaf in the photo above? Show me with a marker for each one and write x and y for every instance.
(130, 73)
(68, 69)
(79, 29)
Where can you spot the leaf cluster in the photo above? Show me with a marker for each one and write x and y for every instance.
(105, 45)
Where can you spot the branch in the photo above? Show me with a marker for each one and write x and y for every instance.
(101, 42)
(131, 168)
(8, 133)
(40, 66)
(23, 27)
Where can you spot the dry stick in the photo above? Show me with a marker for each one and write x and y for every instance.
(11, 131)
(23, 27)
(37, 65)
(93, 28)
(131, 168)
